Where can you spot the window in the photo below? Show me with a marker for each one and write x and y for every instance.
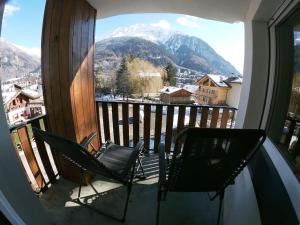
(284, 120)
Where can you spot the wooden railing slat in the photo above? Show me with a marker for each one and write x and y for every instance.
(30, 157)
(232, 118)
(43, 154)
(169, 128)
(225, 117)
(193, 116)
(157, 134)
(105, 121)
(204, 117)
(214, 118)
(147, 119)
(125, 124)
(115, 116)
(20, 161)
(54, 155)
(136, 124)
(181, 118)
(165, 104)
(99, 122)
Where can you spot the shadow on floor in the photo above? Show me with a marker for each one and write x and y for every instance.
(178, 209)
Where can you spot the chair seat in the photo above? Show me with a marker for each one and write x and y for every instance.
(118, 159)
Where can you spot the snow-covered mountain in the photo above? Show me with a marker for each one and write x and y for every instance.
(14, 62)
(192, 52)
(160, 47)
(148, 32)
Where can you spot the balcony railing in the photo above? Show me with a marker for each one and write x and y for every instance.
(35, 157)
(124, 123)
(127, 122)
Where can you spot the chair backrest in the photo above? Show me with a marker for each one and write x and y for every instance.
(74, 153)
(206, 159)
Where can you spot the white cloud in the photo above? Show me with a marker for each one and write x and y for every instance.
(162, 24)
(9, 10)
(188, 21)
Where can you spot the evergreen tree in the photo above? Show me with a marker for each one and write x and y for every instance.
(99, 78)
(123, 83)
(171, 74)
(130, 58)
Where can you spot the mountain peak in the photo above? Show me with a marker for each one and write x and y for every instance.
(158, 32)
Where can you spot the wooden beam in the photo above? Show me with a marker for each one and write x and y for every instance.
(68, 72)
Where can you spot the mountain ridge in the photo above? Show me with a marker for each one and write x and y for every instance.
(15, 62)
(183, 51)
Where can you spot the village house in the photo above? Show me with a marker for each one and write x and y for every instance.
(176, 95)
(218, 90)
(22, 104)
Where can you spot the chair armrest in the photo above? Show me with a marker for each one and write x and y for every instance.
(162, 164)
(87, 140)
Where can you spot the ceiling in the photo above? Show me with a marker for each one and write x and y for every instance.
(221, 10)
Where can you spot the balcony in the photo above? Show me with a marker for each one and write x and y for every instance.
(67, 68)
(153, 123)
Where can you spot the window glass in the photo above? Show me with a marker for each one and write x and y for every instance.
(291, 131)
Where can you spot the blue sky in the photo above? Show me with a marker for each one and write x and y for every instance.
(22, 25)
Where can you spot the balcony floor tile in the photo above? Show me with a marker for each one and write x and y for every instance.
(179, 208)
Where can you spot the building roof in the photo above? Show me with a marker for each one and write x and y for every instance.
(236, 80)
(9, 96)
(221, 80)
(191, 88)
(171, 90)
(218, 80)
(30, 93)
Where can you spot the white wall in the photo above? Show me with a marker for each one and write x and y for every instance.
(16, 112)
(233, 95)
(289, 179)
(240, 206)
(255, 80)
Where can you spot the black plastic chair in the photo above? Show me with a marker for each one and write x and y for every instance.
(114, 162)
(206, 160)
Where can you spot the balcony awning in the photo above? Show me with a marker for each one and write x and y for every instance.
(225, 10)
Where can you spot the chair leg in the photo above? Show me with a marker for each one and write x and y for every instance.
(126, 203)
(141, 167)
(94, 208)
(221, 197)
(128, 192)
(80, 183)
